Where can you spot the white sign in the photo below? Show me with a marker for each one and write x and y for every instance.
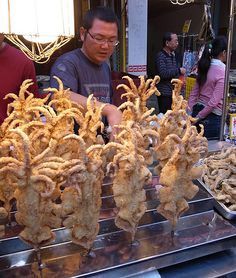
(137, 37)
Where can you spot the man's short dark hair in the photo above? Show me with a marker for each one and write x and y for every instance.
(103, 13)
(166, 37)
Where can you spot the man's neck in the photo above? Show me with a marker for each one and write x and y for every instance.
(166, 49)
(85, 53)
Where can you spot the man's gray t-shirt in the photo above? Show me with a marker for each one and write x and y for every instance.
(82, 76)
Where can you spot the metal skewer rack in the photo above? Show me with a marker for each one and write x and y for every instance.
(200, 231)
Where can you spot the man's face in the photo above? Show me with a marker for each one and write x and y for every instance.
(97, 41)
(173, 43)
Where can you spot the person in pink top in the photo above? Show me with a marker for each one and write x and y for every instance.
(206, 98)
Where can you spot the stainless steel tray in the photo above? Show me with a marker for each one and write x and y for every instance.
(220, 207)
(201, 231)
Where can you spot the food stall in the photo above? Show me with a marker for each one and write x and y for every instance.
(116, 250)
(33, 246)
(201, 231)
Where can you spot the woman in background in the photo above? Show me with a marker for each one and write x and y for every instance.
(206, 98)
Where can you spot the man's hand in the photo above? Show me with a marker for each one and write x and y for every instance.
(182, 71)
(110, 111)
(114, 117)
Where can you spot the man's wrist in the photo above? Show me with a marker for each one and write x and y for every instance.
(107, 109)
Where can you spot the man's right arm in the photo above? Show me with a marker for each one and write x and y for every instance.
(110, 111)
(65, 71)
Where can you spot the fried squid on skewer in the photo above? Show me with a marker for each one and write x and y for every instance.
(179, 149)
(133, 153)
(130, 176)
(178, 172)
(81, 200)
(36, 211)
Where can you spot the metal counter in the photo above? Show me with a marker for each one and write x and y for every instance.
(215, 145)
(200, 232)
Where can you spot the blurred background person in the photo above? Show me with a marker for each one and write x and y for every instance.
(206, 98)
(15, 67)
(167, 67)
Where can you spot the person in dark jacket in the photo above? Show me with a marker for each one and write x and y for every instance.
(167, 68)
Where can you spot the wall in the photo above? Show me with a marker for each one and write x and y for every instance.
(80, 6)
(224, 17)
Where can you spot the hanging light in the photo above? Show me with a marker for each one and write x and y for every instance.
(181, 2)
(47, 25)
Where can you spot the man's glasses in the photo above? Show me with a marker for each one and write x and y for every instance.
(110, 42)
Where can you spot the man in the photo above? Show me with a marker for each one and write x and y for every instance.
(167, 68)
(15, 67)
(85, 71)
